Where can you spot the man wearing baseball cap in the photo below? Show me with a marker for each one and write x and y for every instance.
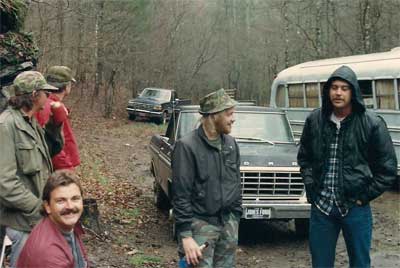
(206, 193)
(60, 77)
(25, 162)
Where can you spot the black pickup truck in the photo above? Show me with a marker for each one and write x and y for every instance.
(155, 104)
(272, 187)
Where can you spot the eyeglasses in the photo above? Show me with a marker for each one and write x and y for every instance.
(336, 87)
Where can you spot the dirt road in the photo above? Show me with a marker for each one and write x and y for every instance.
(115, 168)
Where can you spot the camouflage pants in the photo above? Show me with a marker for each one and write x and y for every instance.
(222, 239)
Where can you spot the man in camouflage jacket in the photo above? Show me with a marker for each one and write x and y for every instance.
(25, 162)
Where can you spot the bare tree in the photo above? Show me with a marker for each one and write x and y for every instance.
(99, 49)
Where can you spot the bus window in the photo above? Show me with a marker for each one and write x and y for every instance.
(296, 97)
(398, 90)
(385, 94)
(312, 96)
(281, 96)
(366, 91)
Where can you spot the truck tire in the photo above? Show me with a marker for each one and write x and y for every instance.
(131, 116)
(163, 119)
(302, 227)
(161, 200)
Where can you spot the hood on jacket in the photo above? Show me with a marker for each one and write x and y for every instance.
(346, 74)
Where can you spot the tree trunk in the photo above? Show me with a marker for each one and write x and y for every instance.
(318, 34)
(90, 216)
(60, 22)
(365, 21)
(99, 51)
(109, 101)
(80, 68)
(286, 34)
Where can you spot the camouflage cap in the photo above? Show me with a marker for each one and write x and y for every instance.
(216, 102)
(27, 82)
(59, 76)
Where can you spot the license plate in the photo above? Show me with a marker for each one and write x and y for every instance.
(142, 114)
(258, 213)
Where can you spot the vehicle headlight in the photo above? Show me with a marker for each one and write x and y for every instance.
(157, 107)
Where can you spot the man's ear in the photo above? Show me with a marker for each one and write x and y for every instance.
(46, 207)
(35, 93)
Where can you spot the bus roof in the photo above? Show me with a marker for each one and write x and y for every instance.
(368, 66)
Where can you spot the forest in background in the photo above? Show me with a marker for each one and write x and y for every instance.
(118, 47)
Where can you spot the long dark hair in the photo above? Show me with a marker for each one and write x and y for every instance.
(21, 101)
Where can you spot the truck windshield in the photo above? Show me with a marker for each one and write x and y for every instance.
(257, 127)
(159, 94)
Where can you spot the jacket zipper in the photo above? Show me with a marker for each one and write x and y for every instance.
(221, 177)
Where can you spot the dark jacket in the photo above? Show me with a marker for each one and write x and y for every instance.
(367, 160)
(46, 247)
(206, 181)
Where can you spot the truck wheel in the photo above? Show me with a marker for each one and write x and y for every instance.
(160, 198)
(131, 116)
(302, 226)
(163, 119)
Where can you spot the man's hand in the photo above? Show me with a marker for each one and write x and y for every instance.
(192, 251)
(358, 202)
(55, 104)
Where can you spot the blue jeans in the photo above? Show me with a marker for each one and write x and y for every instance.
(357, 232)
(18, 240)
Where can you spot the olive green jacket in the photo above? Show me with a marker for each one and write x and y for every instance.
(25, 165)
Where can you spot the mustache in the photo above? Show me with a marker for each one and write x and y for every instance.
(67, 211)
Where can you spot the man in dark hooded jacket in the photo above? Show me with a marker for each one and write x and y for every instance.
(347, 159)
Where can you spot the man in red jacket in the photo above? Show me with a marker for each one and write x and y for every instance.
(56, 240)
(60, 77)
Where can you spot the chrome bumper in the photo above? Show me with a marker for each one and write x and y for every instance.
(151, 113)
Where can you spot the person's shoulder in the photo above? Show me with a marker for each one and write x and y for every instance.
(228, 138)
(373, 118)
(45, 237)
(38, 239)
(315, 113)
(8, 116)
(314, 117)
(188, 138)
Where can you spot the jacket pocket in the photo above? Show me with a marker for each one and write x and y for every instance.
(28, 158)
(203, 168)
(231, 169)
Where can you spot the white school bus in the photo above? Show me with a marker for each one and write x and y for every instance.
(298, 89)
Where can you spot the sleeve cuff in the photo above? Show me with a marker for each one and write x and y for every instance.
(186, 234)
(184, 229)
